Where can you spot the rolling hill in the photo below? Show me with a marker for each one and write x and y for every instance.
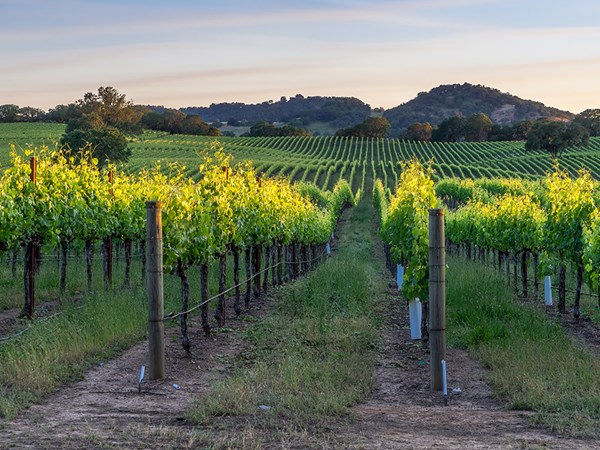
(466, 99)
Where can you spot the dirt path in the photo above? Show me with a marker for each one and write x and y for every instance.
(403, 414)
(105, 409)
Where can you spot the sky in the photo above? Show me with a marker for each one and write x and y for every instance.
(194, 53)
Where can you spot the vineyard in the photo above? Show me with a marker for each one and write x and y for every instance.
(243, 216)
(325, 160)
(510, 185)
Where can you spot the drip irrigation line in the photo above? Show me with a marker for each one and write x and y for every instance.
(31, 325)
(8, 338)
(174, 316)
(54, 258)
(171, 316)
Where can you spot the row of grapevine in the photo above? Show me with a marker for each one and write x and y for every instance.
(463, 160)
(403, 223)
(552, 221)
(229, 209)
(460, 159)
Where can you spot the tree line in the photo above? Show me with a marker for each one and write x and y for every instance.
(554, 136)
(297, 111)
(480, 128)
(101, 121)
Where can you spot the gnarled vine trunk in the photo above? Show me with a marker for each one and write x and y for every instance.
(204, 298)
(185, 302)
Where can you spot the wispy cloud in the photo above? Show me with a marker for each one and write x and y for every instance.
(381, 51)
(413, 14)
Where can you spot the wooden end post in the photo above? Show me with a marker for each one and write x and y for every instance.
(154, 282)
(437, 296)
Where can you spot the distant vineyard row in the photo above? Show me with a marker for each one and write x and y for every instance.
(325, 160)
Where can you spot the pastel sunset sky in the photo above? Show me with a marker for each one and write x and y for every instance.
(194, 53)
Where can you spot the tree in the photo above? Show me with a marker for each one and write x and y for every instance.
(555, 137)
(173, 121)
(29, 114)
(590, 120)
(372, 127)
(153, 120)
(419, 132)
(193, 124)
(521, 130)
(500, 133)
(8, 113)
(265, 128)
(449, 130)
(177, 122)
(113, 108)
(90, 121)
(477, 128)
(107, 144)
(62, 113)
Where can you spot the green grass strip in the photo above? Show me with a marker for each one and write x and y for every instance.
(61, 349)
(535, 366)
(314, 356)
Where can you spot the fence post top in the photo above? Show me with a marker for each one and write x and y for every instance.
(436, 211)
(153, 204)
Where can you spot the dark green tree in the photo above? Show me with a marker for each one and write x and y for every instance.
(520, 130)
(265, 128)
(373, 127)
(419, 132)
(9, 113)
(556, 137)
(107, 144)
(153, 120)
(113, 108)
(477, 128)
(62, 113)
(449, 130)
(177, 122)
(29, 114)
(590, 120)
(87, 121)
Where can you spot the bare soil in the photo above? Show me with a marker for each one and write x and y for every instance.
(11, 323)
(583, 331)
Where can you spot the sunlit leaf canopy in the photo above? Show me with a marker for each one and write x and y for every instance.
(74, 200)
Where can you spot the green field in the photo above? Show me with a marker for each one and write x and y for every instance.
(324, 160)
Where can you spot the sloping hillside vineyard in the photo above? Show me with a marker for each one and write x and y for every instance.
(325, 160)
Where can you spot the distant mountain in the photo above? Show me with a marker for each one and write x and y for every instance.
(467, 99)
(301, 111)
